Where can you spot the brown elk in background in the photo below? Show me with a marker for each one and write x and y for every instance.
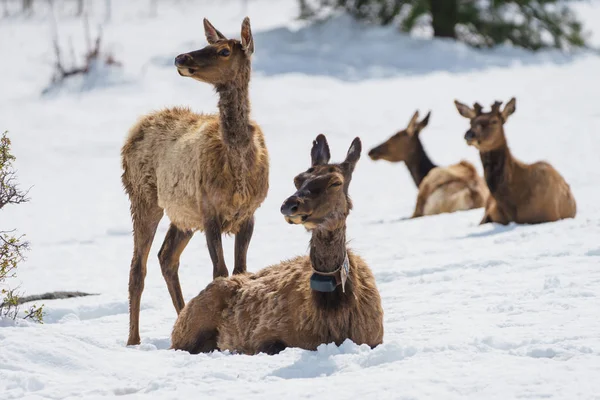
(521, 193)
(327, 296)
(441, 189)
(207, 172)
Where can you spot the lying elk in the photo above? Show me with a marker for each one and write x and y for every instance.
(327, 296)
(441, 189)
(521, 193)
(207, 172)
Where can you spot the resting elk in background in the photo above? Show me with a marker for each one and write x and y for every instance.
(521, 193)
(207, 172)
(441, 189)
(327, 296)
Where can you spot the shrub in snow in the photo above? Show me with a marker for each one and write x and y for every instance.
(11, 247)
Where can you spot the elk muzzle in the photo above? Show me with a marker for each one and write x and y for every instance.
(470, 136)
(291, 210)
(183, 60)
(185, 65)
(375, 153)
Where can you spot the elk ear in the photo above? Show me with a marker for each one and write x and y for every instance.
(247, 39)
(212, 34)
(412, 125)
(465, 110)
(319, 153)
(509, 109)
(353, 154)
(423, 123)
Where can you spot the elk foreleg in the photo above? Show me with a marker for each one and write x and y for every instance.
(212, 230)
(242, 241)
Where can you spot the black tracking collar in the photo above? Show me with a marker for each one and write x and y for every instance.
(322, 283)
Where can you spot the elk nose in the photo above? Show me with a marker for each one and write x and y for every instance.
(470, 135)
(373, 153)
(290, 206)
(182, 60)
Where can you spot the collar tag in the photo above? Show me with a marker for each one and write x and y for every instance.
(328, 281)
(345, 270)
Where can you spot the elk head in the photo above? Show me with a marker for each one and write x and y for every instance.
(404, 143)
(487, 129)
(321, 200)
(220, 62)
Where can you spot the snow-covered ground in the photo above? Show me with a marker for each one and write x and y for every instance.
(480, 312)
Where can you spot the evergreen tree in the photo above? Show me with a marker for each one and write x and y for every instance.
(532, 24)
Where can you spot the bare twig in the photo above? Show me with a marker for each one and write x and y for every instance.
(27, 5)
(92, 55)
(80, 7)
(108, 15)
(86, 32)
(72, 52)
(153, 8)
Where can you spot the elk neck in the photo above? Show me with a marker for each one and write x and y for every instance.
(497, 167)
(328, 249)
(234, 110)
(419, 164)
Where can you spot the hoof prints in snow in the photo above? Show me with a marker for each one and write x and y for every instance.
(387, 276)
(330, 359)
(125, 391)
(558, 349)
(595, 252)
(85, 312)
(542, 353)
(155, 344)
(30, 384)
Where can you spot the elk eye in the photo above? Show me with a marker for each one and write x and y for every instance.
(493, 122)
(224, 52)
(336, 184)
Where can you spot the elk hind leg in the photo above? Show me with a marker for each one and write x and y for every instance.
(145, 221)
(175, 242)
(419, 206)
(212, 230)
(197, 326)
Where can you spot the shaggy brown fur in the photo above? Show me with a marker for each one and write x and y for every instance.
(276, 307)
(441, 189)
(206, 172)
(521, 193)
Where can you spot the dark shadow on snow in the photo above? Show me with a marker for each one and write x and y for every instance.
(496, 230)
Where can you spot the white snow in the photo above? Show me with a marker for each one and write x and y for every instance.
(479, 312)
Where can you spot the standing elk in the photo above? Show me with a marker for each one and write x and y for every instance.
(207, 172)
